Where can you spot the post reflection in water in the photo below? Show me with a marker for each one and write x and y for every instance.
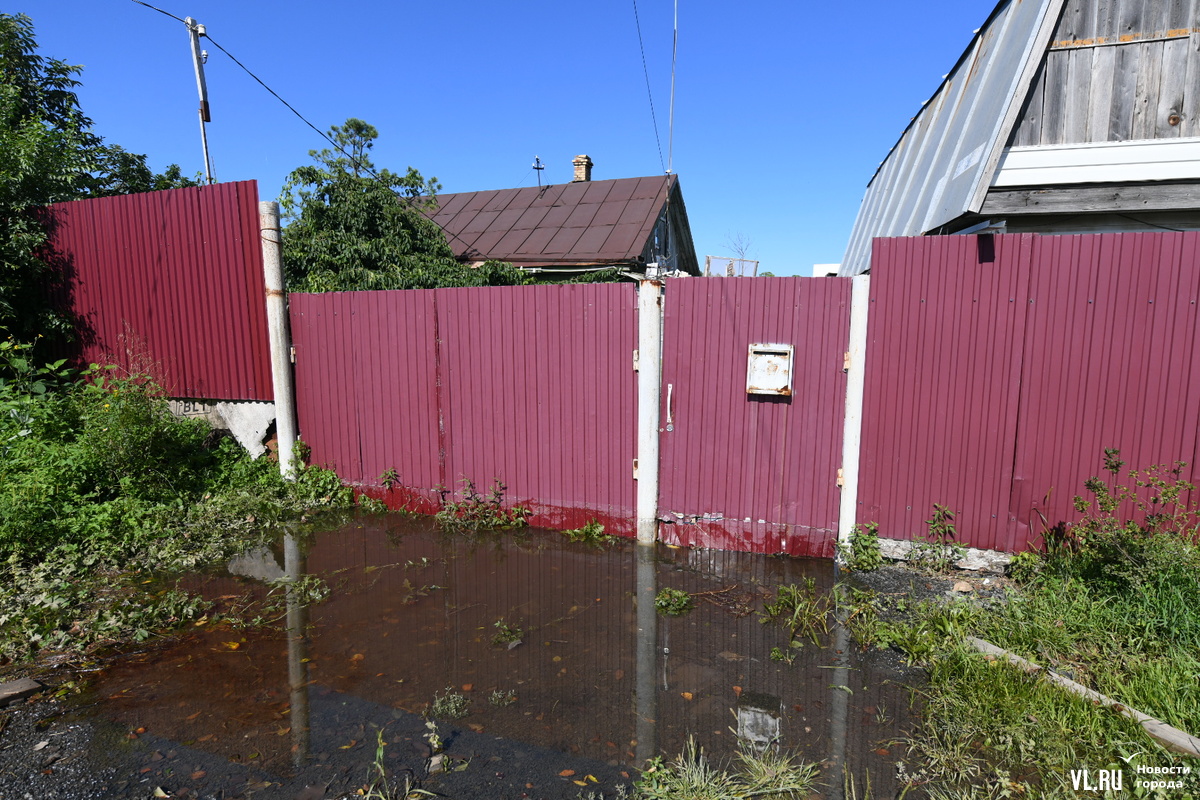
(646, 692)
(297, 651)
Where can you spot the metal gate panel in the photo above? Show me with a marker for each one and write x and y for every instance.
(752, 472)
(538, 392)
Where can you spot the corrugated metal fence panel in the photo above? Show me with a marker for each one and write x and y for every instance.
(538, 391)
(747, 472)
(366, 389)
(170, 283)
(1110, 361)
(945, 333)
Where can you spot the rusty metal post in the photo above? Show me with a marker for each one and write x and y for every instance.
(279, 337)
(649, 389)
(856, 365)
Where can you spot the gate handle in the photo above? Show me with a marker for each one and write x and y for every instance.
(670, 419)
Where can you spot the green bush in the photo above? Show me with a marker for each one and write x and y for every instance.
(98, 483)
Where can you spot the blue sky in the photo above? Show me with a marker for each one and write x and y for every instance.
(782, 112)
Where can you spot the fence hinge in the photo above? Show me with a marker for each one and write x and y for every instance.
(292, 353)
(635, 469)
(841, 478)
(846, 361)
(637, 360)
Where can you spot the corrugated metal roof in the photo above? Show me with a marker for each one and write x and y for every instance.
(581, 223)
(943, 163)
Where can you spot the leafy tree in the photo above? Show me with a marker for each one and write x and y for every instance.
(48, 153)
(351, 226)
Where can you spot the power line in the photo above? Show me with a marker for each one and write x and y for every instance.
(354, 161)
(646, 72)
(159, 10)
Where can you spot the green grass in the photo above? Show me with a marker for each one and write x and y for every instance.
(1114, 604)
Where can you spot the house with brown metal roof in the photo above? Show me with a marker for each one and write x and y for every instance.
(1062, 116)
(570, 229)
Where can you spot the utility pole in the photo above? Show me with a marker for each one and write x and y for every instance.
(195, 31)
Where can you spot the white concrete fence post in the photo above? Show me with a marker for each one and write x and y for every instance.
(279, 337)
(649, 392)
(852, 426)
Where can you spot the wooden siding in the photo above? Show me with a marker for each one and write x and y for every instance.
(1116, 70)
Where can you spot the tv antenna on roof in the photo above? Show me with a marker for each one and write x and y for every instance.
(539, 166)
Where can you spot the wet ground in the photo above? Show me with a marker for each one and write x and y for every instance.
(569, 679)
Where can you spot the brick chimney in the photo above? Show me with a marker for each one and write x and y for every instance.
(583, 169)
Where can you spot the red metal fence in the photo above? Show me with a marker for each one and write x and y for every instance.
(753, 472)
(531, 386)
(170, 283)
(999, 368)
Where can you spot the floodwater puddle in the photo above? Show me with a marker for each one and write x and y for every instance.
(568, 677)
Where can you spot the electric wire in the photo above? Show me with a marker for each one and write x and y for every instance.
(357, 164)
(159, 10)
(649, 94)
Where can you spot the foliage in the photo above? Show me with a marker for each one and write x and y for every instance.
(100, 487)
(507, 634)
(673, 602)
(862, 554)
(475, 512)
(451, 705)
(48, 154)
(937, 551)
(591, 533)
(380, 787)
(802, 609)
(690, 776)
(352, 226)
(501, 698)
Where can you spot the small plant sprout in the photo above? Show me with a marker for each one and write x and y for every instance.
(937, 551)
(673, 602)
(507, 635)
(502, 697)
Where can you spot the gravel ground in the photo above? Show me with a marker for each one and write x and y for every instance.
(48, 751)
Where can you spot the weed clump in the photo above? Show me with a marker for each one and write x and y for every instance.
(473, 511)
(507, 635)
(451, 705)
(673, 602)
(691, 776)
(591, 533)
(862, 554)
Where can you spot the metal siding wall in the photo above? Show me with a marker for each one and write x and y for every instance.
(540, 393)
(533, 386)
(943, 371)
(748, 473)
(994, 387)
(171, 283)
(1126, 304)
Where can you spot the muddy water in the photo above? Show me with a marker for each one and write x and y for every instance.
(596, 686)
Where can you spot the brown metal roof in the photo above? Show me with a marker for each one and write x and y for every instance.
(583, 223)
